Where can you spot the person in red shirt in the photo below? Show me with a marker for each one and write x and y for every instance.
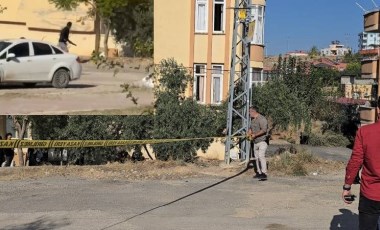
(366, 154)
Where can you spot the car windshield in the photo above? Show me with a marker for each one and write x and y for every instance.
(4, 45)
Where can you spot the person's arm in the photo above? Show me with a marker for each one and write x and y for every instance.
(72, 43)
(354, 165)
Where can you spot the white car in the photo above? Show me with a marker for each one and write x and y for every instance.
(31, 62)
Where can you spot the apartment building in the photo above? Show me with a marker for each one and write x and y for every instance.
(335, 49)
(370, 66)
(198, 34)
(38, 19)
(368, 40)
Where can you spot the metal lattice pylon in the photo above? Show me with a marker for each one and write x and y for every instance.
(238, 120)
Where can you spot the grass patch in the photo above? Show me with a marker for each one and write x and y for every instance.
(301, 163)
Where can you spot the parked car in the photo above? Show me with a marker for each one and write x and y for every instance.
(31, 62)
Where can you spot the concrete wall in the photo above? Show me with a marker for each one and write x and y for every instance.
(171, 30)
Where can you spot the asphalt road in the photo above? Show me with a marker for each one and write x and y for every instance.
(209, 202)
(96, 91)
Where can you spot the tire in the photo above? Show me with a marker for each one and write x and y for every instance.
(61, 79)
(29, 85)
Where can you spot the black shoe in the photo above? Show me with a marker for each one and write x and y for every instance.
(257, 176)
(263, 177)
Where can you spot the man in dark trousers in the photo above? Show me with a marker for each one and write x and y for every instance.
(64, 38)
(366, 154)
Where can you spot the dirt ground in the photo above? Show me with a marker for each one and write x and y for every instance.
(173, 195)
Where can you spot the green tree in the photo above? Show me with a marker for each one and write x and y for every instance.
(297, 95)
(353, 69)
(133, 25)
(329, 77)
(277, 101)
(179, 117)
(138, 128)
(92, 128)
(314, 52)
(352, 57)
(20, 124)
(48, 127)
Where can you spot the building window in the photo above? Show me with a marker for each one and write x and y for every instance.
(219, 8)
(201, 16)
(258, 17)
(217, 84)
(200, 82)
(257, 76)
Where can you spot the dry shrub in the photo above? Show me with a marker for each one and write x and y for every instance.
(301, 163)
(329, 138)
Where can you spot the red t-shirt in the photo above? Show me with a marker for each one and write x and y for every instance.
(366, 152)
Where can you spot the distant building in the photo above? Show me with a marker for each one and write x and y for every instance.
(368, 40)
(358, 88)
(297, 53)
(335, 50)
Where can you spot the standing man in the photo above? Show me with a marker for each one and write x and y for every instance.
(366, 154)
(9, 153)
(64, 37)
(258, 133)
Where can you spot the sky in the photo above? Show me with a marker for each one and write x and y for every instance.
(300, 24)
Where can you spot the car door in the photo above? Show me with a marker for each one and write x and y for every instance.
(17, 69)
(43, 60)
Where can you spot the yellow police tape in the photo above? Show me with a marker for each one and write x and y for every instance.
(89, 143)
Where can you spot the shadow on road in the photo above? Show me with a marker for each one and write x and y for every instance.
(41, 223)
(174, 201)
(347, 220)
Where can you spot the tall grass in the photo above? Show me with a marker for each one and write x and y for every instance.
(293, 164)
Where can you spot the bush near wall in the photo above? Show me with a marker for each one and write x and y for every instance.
(328, 138)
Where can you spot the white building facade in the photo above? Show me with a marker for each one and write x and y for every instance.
(368, 40)
(335, 50)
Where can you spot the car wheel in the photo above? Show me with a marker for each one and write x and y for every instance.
(29, 85)
(61, 79)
